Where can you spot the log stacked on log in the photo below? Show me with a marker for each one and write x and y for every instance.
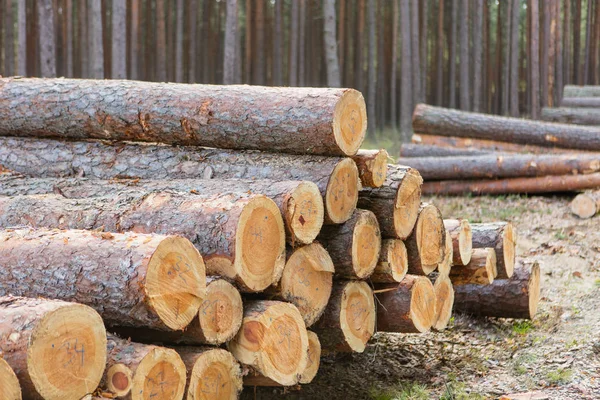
(577, 116)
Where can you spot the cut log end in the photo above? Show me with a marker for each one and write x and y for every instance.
(221, 312)
(341, 195)
(313, 360)
(446, 265)
(393, 263)
(119, 379)
(444, 300)
(509, 240)
(273, 340)
(423, 304)
(408, 201)
(9, 384)
(481, 270)
(534, 288)
(430, 238)
(215, 375)
(462, 240)
(372, 167)
(305, 212)
(160, 373)
(67, 352)
(176, 282)
(584, 206)
(366, 244)
(307, 280)
(350, 121)
(357, 315)
(260, 244)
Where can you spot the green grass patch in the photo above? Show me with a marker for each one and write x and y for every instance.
(403, 391)
(560, 376)
(456, 390)
(522, 327)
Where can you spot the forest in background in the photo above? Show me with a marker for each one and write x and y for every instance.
(508, 57)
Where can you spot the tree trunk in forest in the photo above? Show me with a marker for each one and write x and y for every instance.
(577, 116)
(9, 40)
(193, 42)
(179, 39)
(406, 307)
(10, 383)
(359, 45)
(480, 270)
(424, 47)
(497, 100)
(535, 64)
(336, 178)
(588, 51)
(462, 240)
(414, 52)
(349, 319)
(406, 80)
(57, 349)
(477, 55)
(212, 373)
(463, 33)
(281, 352)
(22, 38)
(586, 205)
(84, 38)
(372, 167)
(399, 197)
(446, 122)
(582, 91)
(147, 370)
(444, 302)
(372, 73)
(161, 45)
(439, 97)
(581, 102)
(278, 44)
(503, 166)
(505, 8)
(412, 150)
(425, 246)
(207, 28)
(394, 67)
(306, 281)
(517, 297)
(393, 262)
(514, 58)
(96, 50)
(552, 50)
(577, 45)
(258, 64)
(229, 62)
(596, 47)
(331, 51)
(452, 54)
(544, 52)
(558, 87)
(46, 38)
(354, 246)
(112, 110)
(119, 40)
(162, 288)
(341, 39)
(293, 67)
(567, 53)
(135, 40)
(302, 44)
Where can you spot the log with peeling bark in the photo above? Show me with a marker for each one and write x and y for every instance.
(586, 205)
(293, 120)
(577, 116)
(581, 91)
(502, 237)
(57, 349)
(372, 167)
(349, 320)
(447, 262)
(393, 262)
(141, 371)
(247, 245)
(212, 373)
(306, 281)
(218, 320)
(272, 340)
(425, 246)
(409, 150)
(9, 383)
(532, 185)
(503, 166)
(447, 122)
(354, 246)
(396, 203)
(407, 307)
(462, 240)
(337, 178)
(444, 302)
(581, 102)
(516, 297)
(480, 270)
(131, 279)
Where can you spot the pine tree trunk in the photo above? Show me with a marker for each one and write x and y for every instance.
(559, 56)
(22, 38)
(372, 73)
(581, 102)
(534, 52)
(9, 47)
(135, 40)
(331, 51)
(394, 67)
(193, 65)
(452, 55)
(96, 50)
(413, 150)
(406, 80)
(45, 16)
(179, 42)
(477, 55)
(258, 64)
(463, 32)
(514, 58)
(119, 40)
(294, 39)
(587, 51)
(229, 62)
(414, 52)
(424, 48)
(278, 44)
(544, 52)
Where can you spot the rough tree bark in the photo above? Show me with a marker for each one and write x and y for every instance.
(372, 167)
(514, 58)
(231, 26)
(57, 349)
(333, 120)
(534, 54)
(9, 45)
(372, 67)
(278, 44)
(463, 33)
(577, 116)
(581, 102)
(45, 15)
(22, 38)
(544, 51)
(119, 40)
(427, 242)
(135, 40)
(452, 54)
(179, 38)
(96, 49)
(481, 269)
(439, 94)
(406, 81)
(582, 91)
(477, 55)
(413, 150)
(331, 51)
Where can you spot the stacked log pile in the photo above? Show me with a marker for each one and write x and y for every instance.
(179, 249)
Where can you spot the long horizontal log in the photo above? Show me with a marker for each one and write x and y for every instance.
(426, 245)
(396, 203)
(581, 91)
(131, 279)
(531, 185)
(372, 166)
(448, 122)
(591, 102)
(516, 297)
(272, 340)
(578, 116)
(294, 120)
(246, 245)
(586, 205)
(336, 177)
(503, 166)
(141, 371)
(57, 349)
(409, 150)
(393, 262)
(9, 383)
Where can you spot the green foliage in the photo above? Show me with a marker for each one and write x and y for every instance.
(559, 376)
(404, 391)
(522, 327)
(456, 390)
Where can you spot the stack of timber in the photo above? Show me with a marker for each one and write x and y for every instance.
(111, 208)
(580, 105)
(460, 152)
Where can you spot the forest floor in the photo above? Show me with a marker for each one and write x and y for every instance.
(555, 356)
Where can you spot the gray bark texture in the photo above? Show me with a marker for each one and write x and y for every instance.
(581, 91)
(95, 33)
(577, 116)
(331, 51)
(46, 38)
(119, 40)
(231, 26)
(22, 38)
(581, 102)
(411, 150)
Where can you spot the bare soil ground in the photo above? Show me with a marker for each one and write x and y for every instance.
(557, 355)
